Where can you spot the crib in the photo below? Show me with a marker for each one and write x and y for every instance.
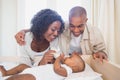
(108, 70)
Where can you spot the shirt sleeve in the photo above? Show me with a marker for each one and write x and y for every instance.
(24, 56)
(99, 42)
(68, 69)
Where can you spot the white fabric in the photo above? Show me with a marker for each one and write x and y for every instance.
(106, 15)
(75, 44)
(45, 72)
(87, 74)
(57, 49)
(68, 69)
(30, 57)
(1, 78)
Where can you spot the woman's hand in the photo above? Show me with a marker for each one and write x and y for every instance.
(20, 36)
(47, 58)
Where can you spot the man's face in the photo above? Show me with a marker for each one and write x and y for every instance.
(77, 25)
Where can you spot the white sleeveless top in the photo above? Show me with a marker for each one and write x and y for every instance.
(30, 57)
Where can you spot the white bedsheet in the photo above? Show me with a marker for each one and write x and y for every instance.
(87, 74)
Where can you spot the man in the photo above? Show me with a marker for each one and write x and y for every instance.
(78, 36)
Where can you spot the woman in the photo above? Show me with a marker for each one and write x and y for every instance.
(46, 25)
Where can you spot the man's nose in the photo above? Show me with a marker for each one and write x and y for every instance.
(76, 29)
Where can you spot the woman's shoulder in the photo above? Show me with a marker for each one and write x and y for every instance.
(28, 36)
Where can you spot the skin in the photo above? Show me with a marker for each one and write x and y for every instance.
(49, 36)
(53, 31)
(77, 26)
(69, 61)
(74, 62)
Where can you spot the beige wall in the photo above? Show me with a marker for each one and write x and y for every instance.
(117, 29)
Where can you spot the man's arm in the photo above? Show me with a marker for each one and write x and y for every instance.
(99, 47)
(58, 68)
(20, 36)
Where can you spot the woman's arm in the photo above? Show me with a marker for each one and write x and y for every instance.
(20, 36)
(58, 68)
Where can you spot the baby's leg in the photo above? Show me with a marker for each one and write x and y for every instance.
(22, 77)
(3, 70)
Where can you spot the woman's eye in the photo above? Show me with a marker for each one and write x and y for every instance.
(72, 26)
(53, 29)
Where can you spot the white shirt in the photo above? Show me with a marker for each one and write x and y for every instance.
(30, 57)
(75, 44)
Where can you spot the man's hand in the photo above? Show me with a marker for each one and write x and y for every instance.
(100, 56)
(20, 37)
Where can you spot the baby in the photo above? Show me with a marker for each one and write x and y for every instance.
(62, 67)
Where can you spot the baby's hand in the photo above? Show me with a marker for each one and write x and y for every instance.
(61, 57)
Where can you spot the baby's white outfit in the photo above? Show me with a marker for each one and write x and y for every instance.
(46, 72)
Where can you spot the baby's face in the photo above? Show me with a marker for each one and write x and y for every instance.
(75, 62)
(71, 61)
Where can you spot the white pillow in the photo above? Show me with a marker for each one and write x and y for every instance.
(87, 74)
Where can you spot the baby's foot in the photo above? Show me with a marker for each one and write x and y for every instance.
(3, 70)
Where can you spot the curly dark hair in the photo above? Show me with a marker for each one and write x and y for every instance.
(41, 22)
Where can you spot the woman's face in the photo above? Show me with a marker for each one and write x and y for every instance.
(53, 31)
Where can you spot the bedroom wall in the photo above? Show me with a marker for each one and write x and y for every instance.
(8, 17)
(0, 24)
(117, 30)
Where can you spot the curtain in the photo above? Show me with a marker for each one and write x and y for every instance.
(104, 16)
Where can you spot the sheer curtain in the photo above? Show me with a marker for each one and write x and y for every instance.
(16, 15)
(8, 27)
(104, 16)
(61, 6)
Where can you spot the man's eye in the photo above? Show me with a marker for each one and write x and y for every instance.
(81, 25)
